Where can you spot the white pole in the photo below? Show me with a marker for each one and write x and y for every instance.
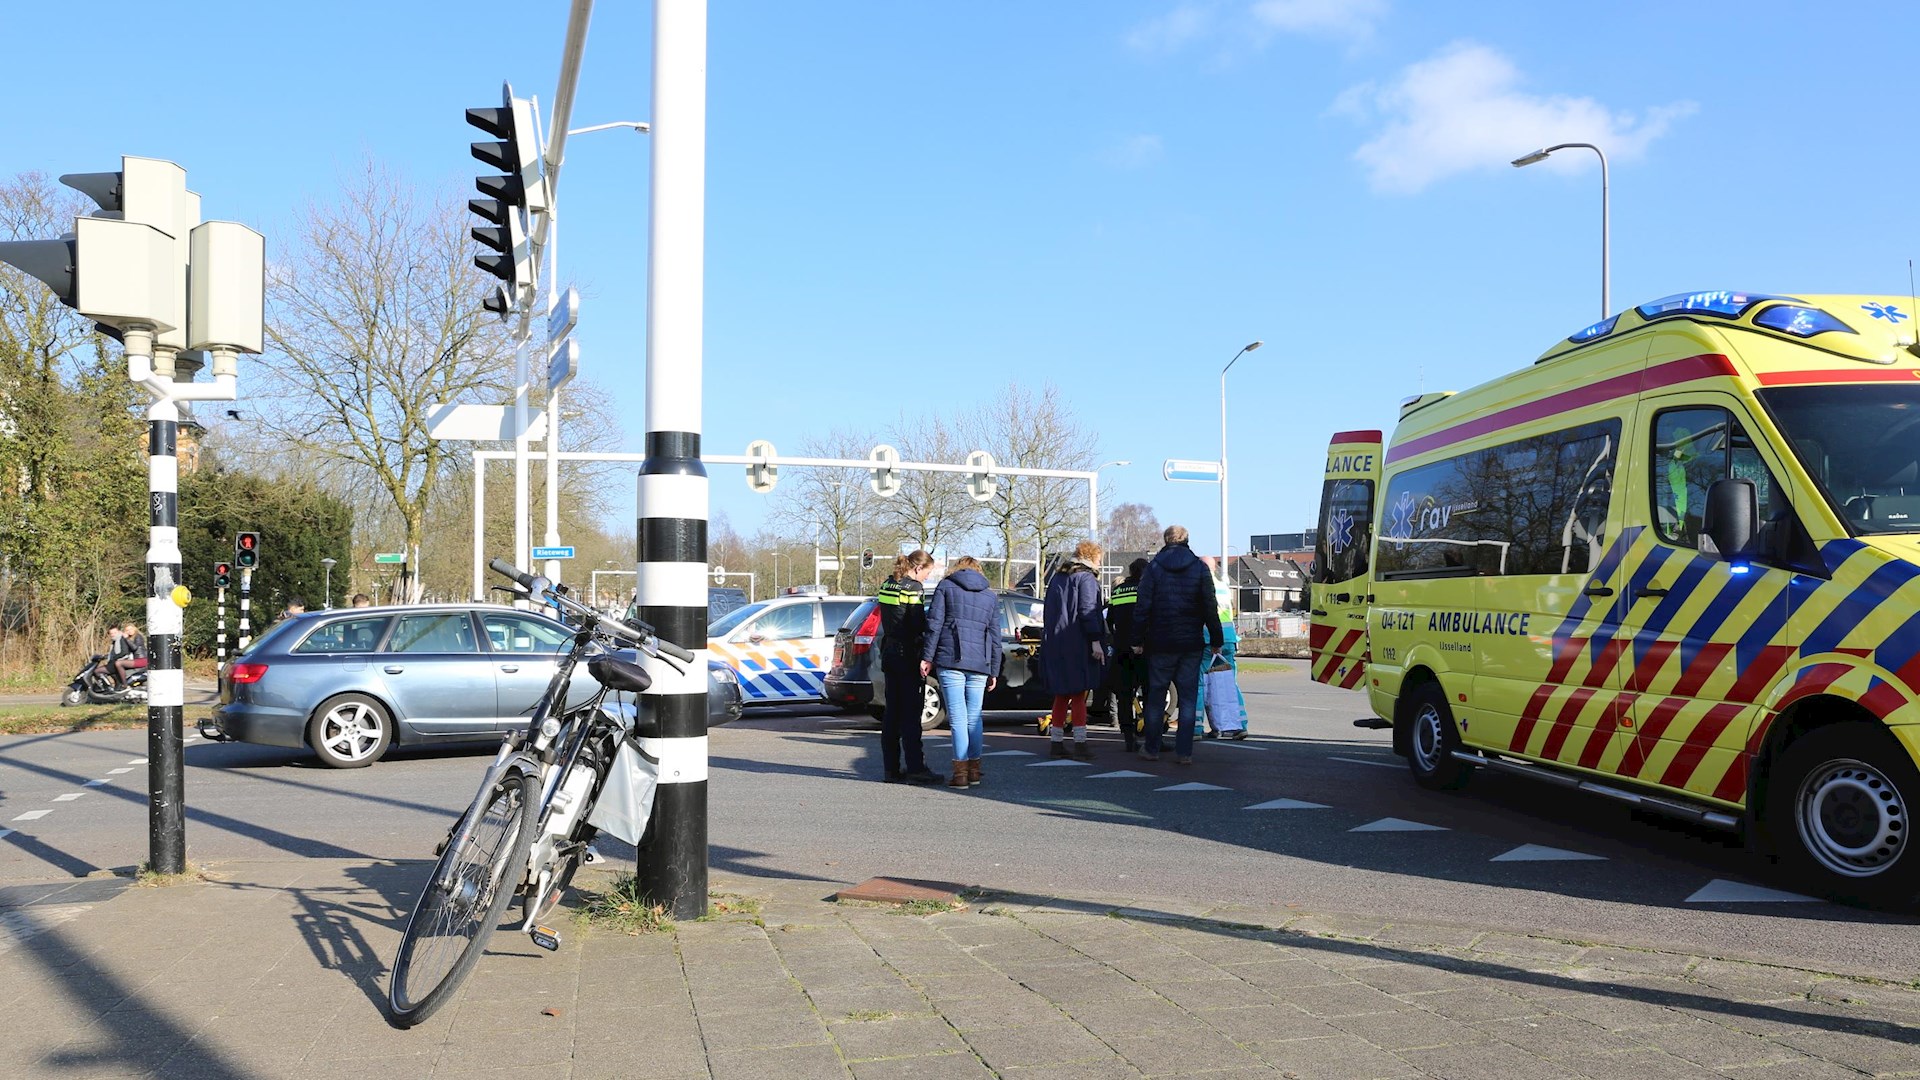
(479, 528)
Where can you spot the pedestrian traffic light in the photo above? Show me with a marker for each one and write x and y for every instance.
(518, 191)
(866, 559)
(222, 575)
(762, 473)
(149, 191)
(982, 484)
(246, 550)
(884, 476)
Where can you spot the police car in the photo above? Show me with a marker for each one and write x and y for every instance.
(781, 648)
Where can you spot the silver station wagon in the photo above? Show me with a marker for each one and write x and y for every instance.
(352, 682)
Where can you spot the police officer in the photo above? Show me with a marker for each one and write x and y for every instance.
(903, 633)
(1126, 673)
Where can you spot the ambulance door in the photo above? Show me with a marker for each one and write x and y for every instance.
(1548, 517)
(1708, 631)
(1343, 549)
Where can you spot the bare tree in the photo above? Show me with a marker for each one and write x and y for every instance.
(1130, 526)
(931, 510)
(375, 317)
(1036, 432)
(833, 505)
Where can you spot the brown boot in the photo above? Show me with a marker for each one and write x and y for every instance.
(959, 778)
(973, 773)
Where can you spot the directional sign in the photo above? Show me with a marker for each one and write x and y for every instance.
(563, 364)
(1203, 471)
(390, 557)
(481, 423)
(553, 552)
(563, 317)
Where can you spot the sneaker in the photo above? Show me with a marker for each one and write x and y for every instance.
(1238, 736)
(1059, 748)
(1184, 759)
(1083, 751)
(1211, 735)
(925, 775)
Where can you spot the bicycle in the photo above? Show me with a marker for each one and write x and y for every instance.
(538, 808)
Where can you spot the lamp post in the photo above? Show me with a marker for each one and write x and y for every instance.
(1606, 298)
(1245, 349)
(328, 563)
(777, 555)
(1093, 500)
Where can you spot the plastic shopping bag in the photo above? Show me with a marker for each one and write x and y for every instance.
(626, 799)
(1223, 699)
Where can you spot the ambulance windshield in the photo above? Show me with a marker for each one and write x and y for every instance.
(1861, 443)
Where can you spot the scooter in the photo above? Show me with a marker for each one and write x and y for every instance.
(93, 688)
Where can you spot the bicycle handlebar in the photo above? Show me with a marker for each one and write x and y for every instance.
(640, 634)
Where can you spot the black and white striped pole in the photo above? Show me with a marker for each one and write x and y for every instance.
(672, 504)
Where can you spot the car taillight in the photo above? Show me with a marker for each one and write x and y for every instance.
(247, 673)
(863, 637)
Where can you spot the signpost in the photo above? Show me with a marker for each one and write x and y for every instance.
(1206, 472)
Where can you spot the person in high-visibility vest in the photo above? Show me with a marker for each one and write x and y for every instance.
(1126, 673)
(1223, 599)
(903, 632)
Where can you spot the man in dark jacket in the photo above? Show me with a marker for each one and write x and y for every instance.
(1175, 622)
(903, 633)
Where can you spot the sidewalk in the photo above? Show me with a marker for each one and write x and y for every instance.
(278, 969)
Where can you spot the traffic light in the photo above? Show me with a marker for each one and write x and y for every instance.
(149, 191)
(246, 550)
(518, 191)
(982, 484)
(866, 559)
(884, 476)
(222, 575)
(762, 473)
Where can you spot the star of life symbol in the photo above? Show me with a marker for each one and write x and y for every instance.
(1401, 529)
(1342, 524)
(1889, 312)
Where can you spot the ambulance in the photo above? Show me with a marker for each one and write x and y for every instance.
(1675, 562)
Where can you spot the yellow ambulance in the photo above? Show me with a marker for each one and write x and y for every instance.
(1675, 562)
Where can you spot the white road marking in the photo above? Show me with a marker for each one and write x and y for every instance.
(1313, 708)
(93, 783)
(137, 761)
(1542, 853)
(4, 833)
(1122, 774)
(1054, 762)
(1008, 753)
(117, 772)
(1241, 744)
(1394, 824)
(33, 815)
(69, 796)
(1363, 761)
(1722, 891)
(1193, 786)
(1286, 804)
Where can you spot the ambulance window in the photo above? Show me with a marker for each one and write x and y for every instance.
(1693, 447)
(1346, 531)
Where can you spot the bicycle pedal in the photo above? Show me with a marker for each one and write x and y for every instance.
(546, 937)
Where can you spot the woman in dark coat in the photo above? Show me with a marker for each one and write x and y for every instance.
(963, 652)
(1073, 646)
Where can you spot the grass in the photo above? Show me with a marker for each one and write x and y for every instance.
(870, 1014)
(1262, 667)
(53, 719)
(721, 904)
(928, 907)
(622, 910)
(147, 878)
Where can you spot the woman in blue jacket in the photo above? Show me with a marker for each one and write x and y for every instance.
(963, 651)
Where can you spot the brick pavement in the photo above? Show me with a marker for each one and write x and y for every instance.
(278, 969)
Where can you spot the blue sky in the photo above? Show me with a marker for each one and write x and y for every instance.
(910, 205)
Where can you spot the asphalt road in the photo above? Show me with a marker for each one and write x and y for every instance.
(794, 795)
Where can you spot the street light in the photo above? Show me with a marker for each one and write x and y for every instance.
(1093, 499)
(1606, 298)
(777, 555)
(328, 563)
(1245, 349)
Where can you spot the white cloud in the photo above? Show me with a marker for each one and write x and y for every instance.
(1134, 152)
(1169, 32)
(1350, 20)
(1461, 110)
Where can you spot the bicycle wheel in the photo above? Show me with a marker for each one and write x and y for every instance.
(463, 901)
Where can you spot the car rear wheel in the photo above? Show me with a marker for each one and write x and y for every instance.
(351, 731)
(933, 711)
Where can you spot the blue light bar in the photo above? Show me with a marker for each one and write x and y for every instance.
(1728, 304)
(1800, 321)
(1596, 331)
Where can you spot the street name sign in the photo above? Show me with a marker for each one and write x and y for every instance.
(390, 557)
(1203, 471)
(553, 552)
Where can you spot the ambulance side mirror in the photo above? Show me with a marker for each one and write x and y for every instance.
(1732, 506)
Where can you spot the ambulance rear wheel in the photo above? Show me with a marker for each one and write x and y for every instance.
(1432, 739)
(1840, 809)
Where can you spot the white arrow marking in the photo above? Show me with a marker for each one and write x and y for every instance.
(1123, 774)
(1722, 891)
(1054, 762)
(1285, 804)
(1008, 753)
(1195, 786)
(68, 797)
(1542, 853)
(1394, 824)
(33, 815)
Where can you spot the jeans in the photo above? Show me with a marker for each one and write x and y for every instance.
(1182, 669)
(900, 724)
(963, 691)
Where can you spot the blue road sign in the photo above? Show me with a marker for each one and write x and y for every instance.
(553, 553)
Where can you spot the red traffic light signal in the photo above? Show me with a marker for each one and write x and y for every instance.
(222, 575)
(246, 550)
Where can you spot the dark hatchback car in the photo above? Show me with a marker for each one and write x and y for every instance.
(855, 680)
(352, 682)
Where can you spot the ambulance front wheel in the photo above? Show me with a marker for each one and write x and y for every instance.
(1840, 808)
(1431, 739)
